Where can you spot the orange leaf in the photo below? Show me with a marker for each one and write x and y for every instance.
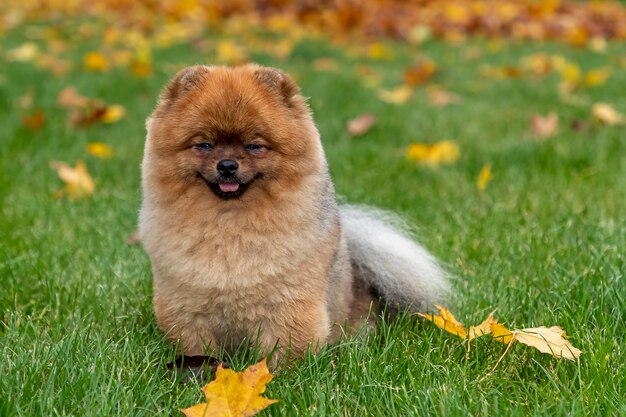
(483, 328)
(33, 121)
(361, 124)
(96, 61)
(236, 394)
(420, 73)
(79, 183)
(446, 321)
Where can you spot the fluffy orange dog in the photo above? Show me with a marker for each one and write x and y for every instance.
(240, 221)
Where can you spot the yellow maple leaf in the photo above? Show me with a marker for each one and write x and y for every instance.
(606, 114)
(96, 61)
(78, 182)
(483, 328)
(99, 149)
(597, 76)
(435, 154)
(549, 340)
(113, 113)
(398, 95)
(484, 178)
(234, 394)
(446, 321)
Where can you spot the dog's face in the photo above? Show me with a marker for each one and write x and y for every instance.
(238, 132)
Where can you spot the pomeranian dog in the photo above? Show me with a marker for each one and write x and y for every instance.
(240, 221)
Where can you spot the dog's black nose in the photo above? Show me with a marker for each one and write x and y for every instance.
(227, 167)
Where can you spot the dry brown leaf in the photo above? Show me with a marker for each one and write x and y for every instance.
(446, 321)
(438, 97)
(544, 126)
(234, 394)
(360, 124)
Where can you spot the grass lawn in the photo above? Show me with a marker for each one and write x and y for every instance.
(544, 243)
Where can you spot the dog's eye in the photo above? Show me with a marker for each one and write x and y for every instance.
(253, 147)
(204, 146)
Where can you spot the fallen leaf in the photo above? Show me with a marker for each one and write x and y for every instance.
(483, 328)
(446, 321)
(420, 73)
(69, 97)
(544, 126)
(606, 114)
(549, 340)
(398, 95)
(234, 394)
(483, 178)
(33, 121)
(500, 333)
(26, 101)
(360, 124)
(113, 113)
(95, 61)
(435, 154)
(99, 149)
(78, 182)
(24, 53)
(438, 97)
(597, 77)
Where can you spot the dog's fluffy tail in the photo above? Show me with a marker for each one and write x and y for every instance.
(384, 256)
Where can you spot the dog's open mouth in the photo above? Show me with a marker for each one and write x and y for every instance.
(228, 188)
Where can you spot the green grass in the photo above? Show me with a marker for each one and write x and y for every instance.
(545, 243)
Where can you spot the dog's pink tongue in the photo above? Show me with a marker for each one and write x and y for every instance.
(228, 187)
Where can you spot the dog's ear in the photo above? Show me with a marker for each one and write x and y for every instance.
(280, 83)
(183, 82)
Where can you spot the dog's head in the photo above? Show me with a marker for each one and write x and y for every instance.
(239, 132)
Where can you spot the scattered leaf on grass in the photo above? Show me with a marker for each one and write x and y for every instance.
(446, 321)
(99, 149)
(113, 113)
(420, 73)
(484, 177)
(95, 61)
(360, 124)
(78, 182)
(544, 126)
(33, 121)
(228, 52)
(234, 394)
(483, 328)
(398, 95)
(549, 340)
(606, 114)
(434, 154)
(439, 97)
(24, 53)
